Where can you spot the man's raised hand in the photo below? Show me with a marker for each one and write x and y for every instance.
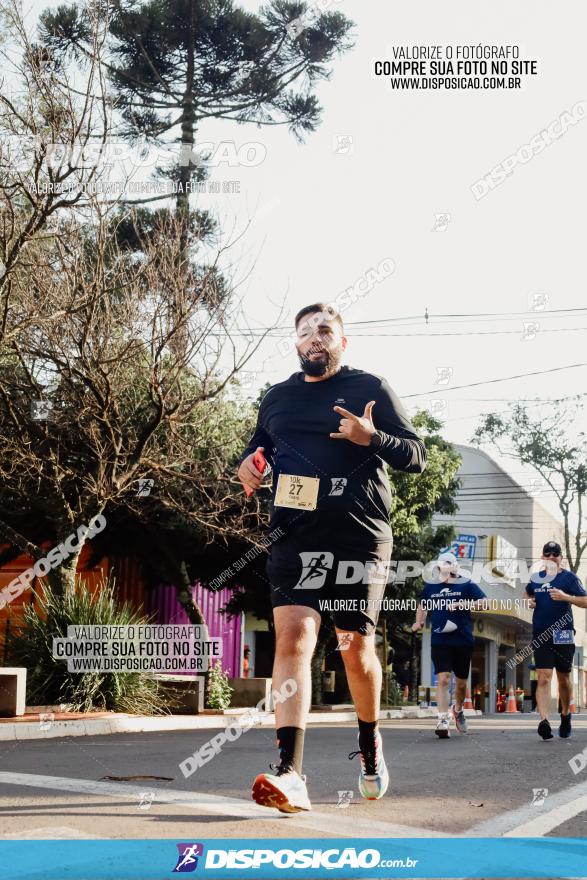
(357, 429)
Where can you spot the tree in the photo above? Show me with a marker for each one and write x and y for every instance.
(175, 63)
(543, 441)
(119, 404)
(161, 534)
(43, 123)
(91, 311)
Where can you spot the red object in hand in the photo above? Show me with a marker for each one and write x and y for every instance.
(260, 463)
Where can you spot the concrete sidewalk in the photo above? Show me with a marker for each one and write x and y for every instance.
(35, 726)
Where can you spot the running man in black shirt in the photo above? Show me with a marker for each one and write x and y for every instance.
(328, 433)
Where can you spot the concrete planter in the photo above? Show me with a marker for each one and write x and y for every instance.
(247, 692)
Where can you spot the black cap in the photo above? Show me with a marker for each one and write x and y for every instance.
(552, 547)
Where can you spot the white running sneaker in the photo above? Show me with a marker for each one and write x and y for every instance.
(443, 727)
(374, 778)
(287, 792)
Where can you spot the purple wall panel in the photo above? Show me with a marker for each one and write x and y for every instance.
(167, 609)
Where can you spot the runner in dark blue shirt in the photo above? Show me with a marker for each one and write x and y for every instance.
(450, 600)
(553, 591)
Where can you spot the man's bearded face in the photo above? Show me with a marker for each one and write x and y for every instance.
(320, 344)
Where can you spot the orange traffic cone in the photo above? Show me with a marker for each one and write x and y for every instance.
(468, 704)
(573, 705)
(511, 704)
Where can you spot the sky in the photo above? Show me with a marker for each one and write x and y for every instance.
(388, 176)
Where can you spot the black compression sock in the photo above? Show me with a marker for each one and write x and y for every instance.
(290, 741)
(367, 734)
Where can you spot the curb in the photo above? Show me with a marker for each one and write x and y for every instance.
(120, 723)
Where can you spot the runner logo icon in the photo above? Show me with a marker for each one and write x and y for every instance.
(338, 485)
(187, 860)
(315, 566)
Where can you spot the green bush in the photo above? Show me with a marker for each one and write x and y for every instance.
(219, 690)
(48, 680)
(395, 694)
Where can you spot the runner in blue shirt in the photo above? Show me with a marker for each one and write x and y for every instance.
(452, 635)
(553, 591)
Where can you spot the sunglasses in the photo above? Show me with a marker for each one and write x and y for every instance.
(551, 555)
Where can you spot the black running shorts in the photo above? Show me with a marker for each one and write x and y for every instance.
(452, 658)
(551, 656)
(348, 585)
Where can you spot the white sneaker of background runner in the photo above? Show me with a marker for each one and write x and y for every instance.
(287, 793)
(443, 727)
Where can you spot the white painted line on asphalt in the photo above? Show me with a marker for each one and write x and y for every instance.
(52, 832)
(193, 800)
(529, 821)
(549, 821)
(329, 822)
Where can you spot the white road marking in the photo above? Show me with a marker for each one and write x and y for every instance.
(331, 822)
(529, 821)
(52, 832)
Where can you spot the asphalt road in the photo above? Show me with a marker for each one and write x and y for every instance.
(481, 784)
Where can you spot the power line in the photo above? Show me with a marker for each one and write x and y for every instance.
(429, 317)
(494, 381)
(466, 333)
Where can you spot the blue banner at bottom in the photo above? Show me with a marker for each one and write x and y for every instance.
(548, 857)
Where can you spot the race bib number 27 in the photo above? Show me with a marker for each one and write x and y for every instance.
(298, 492)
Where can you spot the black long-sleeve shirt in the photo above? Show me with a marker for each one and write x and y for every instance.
(294, 425)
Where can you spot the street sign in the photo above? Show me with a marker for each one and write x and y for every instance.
(463, 547)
